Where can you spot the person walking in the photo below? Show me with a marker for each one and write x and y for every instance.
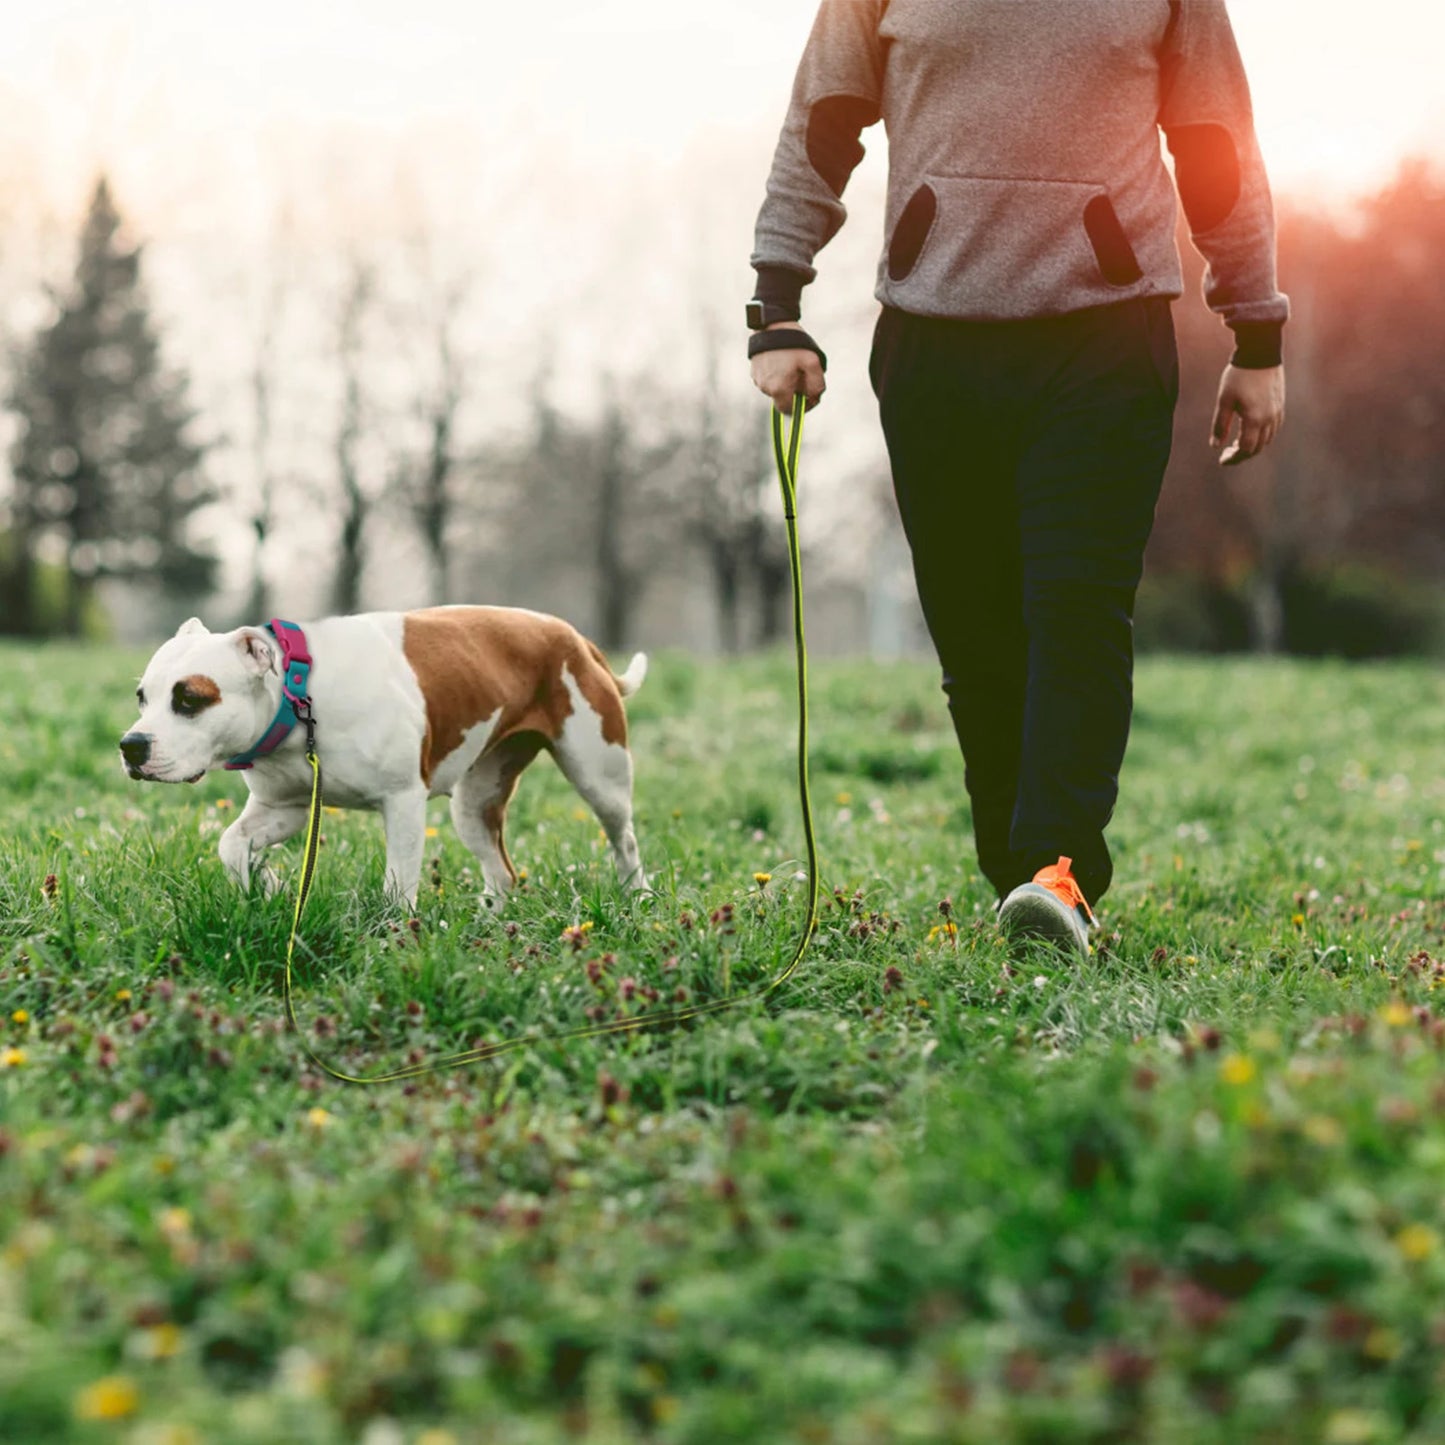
(1024, 359)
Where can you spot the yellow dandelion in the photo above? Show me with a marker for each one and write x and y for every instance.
(1416, 1242)
(1298, 919)
(318, 1118)
(665, 1408)
(1353, 1427)
(164, 1164)
(580, 814)
(762, 879)
(12, 1058)
(945, 930)
(224, 805)
(1397, 1014)
(175, 1221)
(174, 1435)
(163, 1342)
(843, 799)
(436, 1437)
(112, 1398)
(586, 927)
(1322, 1130)
(122, 995)
(1236, 1069)
(20, 1017)
(432, 832)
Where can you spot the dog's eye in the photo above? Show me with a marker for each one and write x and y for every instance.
(185, 703)
(140, 696)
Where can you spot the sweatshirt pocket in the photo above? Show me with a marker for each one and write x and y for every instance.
(1000, 247)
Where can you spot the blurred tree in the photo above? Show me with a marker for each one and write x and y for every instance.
(596, 502)
(103, 464)
(1358, 473)
(732, 492)
(426, 481)
(257, 497)
(356, 498)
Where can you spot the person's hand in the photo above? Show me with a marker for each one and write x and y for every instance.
(1256, 398)
(781, 375)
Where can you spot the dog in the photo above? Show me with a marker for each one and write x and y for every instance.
(408, 706)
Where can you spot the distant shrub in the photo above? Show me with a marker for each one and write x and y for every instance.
(1182, 612)
(1352, 611)
(1360, 612)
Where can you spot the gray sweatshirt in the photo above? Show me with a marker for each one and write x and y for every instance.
(1026, 177)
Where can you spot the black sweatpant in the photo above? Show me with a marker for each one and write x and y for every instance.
(1027, 458)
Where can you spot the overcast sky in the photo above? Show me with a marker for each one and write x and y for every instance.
(165, 92)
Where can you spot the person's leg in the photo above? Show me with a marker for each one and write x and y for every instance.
(1087, 486)
(948, 417)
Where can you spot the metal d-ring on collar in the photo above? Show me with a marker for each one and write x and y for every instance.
(295, 704)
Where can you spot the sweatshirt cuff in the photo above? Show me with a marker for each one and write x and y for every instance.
(781, 286)
(1258, 345)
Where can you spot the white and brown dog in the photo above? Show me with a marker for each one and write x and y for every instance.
(408, 706)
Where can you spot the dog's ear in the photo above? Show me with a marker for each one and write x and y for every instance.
(190, 625)
(258, 651)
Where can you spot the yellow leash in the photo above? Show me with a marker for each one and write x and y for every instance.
(786, 458)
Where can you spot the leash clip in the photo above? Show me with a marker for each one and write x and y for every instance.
(305, 713)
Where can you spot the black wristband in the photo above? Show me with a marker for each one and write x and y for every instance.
(781, 286)
(1258, 345)
(793, 339)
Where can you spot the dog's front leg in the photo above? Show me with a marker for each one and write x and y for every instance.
(404, 815)
(259, 826)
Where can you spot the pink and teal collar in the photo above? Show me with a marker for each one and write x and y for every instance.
(295, 704)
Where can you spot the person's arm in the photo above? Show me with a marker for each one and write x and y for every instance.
(1208, 124)
(836, 94)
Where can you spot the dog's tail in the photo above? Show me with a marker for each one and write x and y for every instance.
(631, 680)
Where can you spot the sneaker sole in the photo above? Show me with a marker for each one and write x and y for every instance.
(1032, 912)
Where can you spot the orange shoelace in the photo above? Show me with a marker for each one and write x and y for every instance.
(1060, 881)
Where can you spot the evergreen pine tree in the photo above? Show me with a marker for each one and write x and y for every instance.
(103, 462)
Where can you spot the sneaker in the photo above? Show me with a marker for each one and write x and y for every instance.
(1052, 909)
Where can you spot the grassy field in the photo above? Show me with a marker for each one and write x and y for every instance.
(1189, 1192)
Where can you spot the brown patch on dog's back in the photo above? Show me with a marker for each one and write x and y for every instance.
(198, 690)
(472, 661)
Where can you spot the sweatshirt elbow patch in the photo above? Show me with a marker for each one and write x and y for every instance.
(1206, 170)
(832, 140)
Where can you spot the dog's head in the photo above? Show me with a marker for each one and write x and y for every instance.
(204, 697)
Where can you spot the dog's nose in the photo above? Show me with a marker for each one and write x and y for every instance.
(135, 748)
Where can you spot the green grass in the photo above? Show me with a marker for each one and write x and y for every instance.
(1190, 1192)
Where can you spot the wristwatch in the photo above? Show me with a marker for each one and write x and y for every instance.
(762, 314)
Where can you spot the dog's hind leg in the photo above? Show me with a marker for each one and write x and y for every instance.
(602, 773)
(479, 808)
